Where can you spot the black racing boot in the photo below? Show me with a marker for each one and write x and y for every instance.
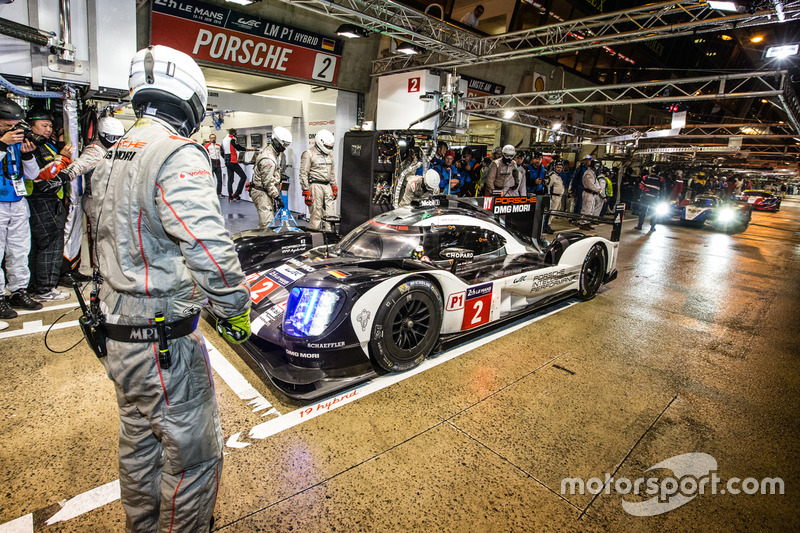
(5, 310)
(23, 300)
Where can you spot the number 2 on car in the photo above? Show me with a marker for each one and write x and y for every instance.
(260, 289)
(477, 307)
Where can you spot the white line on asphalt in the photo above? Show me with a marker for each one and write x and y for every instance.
(49, 308)
(35, 326)
(237, 382)
(298, 416)
(23, 524)
(88, 501)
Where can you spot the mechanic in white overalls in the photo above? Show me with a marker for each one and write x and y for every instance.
(163, 252)
(421, 187)
(109, 131)
(265, 189)
(318, 181)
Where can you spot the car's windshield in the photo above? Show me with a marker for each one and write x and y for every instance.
(373, 240)
(704, 202)
(762, 194)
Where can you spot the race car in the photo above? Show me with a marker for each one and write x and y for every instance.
(706, 210)
(759, 200)
(399, 286)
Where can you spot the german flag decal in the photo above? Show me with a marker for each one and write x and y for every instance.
(327, 44)
(338, 273)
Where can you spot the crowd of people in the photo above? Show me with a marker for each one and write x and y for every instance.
(586, 189)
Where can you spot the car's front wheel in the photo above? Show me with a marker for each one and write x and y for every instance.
(406, 325)
(592, 272)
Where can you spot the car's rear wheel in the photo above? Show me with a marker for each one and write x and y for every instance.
(592, 272)
(406, 326)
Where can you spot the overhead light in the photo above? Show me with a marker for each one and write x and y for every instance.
(242, 2)
(407, 48)
(508, 114)
(780, 52)
(764, 100)
(351, 31)
(723, 6)
(757, 39)
(556, 126)
(726, 37)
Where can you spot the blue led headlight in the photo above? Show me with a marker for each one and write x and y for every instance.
(310, 310)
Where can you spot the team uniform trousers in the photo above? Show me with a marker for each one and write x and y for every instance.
(47, 220)
(322, 205)
(170, 448)
(235, 168)
(15, 245)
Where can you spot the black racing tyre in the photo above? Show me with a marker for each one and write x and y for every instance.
(406, 326)
(592, 272)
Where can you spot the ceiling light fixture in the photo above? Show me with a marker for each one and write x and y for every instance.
(723, 6)
(242, 2)
(508, 114)
(757, 39)
(409, 49)
(351, 31)
(726, 37)
(781, 52)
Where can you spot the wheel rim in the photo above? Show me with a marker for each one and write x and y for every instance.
(411, 325)
(592, 274)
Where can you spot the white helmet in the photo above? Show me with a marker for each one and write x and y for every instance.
(324, 141)
(281, 138)
(109, 127)
(509, 151)
(162, 75)
(109, 131)
(431, 180)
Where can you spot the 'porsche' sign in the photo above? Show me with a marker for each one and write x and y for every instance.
(220, 35)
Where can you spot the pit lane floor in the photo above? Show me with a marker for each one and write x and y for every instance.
(692, 349)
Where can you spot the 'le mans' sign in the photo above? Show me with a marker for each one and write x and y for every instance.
(220, 35)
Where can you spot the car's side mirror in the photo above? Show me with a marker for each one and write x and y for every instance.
(457, 256)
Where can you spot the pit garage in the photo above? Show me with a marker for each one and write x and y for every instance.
(662, 399)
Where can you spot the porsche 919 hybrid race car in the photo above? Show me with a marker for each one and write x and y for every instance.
(326, 314)
(706, 210)
(759, 200)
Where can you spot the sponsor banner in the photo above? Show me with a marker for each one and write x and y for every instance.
(476, 87)
(510, 204)
(219, 35)
(480, 290)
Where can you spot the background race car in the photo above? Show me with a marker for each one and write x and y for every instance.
(759, 200)
(706, 210)
(396, 288)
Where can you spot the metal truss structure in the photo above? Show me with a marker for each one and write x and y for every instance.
(400, 22)
(763, 84)
(638, 24)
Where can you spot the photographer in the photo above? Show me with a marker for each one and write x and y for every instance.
(48, 213)
(16, 165)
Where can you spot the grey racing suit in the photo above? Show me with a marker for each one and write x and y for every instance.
(163, 248)
(82, 166)
(415, 190)
(503, 177)
(317, 176)
(590, 192)
(266, 185)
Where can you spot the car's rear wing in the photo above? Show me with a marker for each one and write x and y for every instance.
(616, 221)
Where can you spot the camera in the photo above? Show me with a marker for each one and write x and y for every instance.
(29, 135)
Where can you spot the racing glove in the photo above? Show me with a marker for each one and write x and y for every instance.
(307, 195)
(248, 186)
(279, 203)
(335, 191)
(235, 329)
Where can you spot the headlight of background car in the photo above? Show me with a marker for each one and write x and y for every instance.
(726, 215)
(310, 311)
(662, 209)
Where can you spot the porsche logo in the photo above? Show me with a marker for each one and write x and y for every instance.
(363, 318)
